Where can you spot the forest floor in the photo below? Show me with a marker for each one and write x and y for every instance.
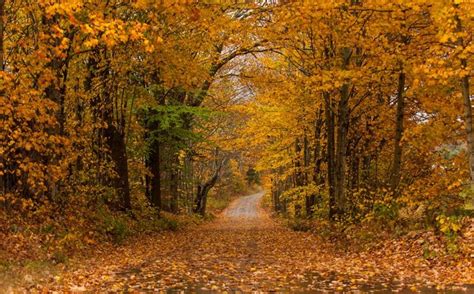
(244, 249)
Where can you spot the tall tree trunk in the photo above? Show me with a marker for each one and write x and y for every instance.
(310, 199)
(2, 30)
(467, 107)
(355, 174)
(6, 177)
(318, 178)
(330, 125)
(92, 67)
(299, 180)
(189, 183)
(397, 152)
(277, 189)
(306, 158)
(469, 129)
(155, 146)
(115, 142)
(153, 164)
(174, 182)
(365, 174)
(54, 91)
(341, 143)
(275, 198)
(340, 154)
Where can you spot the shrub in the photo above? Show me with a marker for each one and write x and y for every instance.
(169, 224)
(300, 225)
(116, 228)
(450, 227)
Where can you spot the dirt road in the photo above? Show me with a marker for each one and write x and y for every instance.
(245, 250)
(245, 207)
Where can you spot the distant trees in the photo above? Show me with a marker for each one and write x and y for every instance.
(105, 102)
(357, 103)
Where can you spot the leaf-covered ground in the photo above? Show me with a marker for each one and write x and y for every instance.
(246, 250)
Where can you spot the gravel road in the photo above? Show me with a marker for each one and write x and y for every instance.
(245, 207)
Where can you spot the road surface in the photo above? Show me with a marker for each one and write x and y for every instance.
(244, 250)
(246, 207)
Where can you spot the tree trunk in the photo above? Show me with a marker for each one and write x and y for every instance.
(365, 174)
(341, 143)
(154, 182)
(202, 191)
(174, 181)
(299, 180)
(96, 110)
(340, 154)
(467, 109)
(6, 178)
(2, 30)
(355, 160)
(115, 142)
(318, 156)
(330, 155)
(469, 128)
(397, 153)
(54, 91)
(318, 178)
(275, 201)
(310, 199)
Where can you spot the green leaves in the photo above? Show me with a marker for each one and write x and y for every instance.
(177, 124)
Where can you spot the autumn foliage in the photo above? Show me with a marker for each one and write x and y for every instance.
(105, 116)
(362, 110)
(120, 117)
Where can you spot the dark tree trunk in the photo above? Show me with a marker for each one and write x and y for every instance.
(115, 141)
(54, 91)
(299, 178)
(6, 178)
(153, 158)
(310, 199)
(275, 200)
(202, 191)
(330, 155)
(466, 95)
(204, 188)
(154, 181)
(397, 152)
(355, 163)
(174, 182)
(365, 174)
(341, 146)
(2, 30)
(318, 177)
(469, 127)
(95, 106)
(340, 157)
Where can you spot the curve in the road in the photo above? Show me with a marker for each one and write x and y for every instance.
(245, 207)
